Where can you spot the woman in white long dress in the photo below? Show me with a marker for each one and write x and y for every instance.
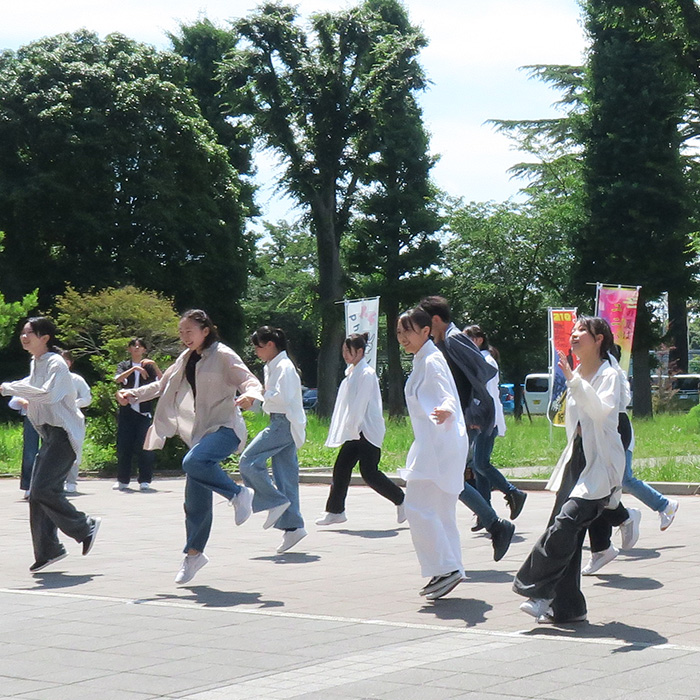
(434, 470)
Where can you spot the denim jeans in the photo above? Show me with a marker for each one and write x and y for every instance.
(131, 432)
(641, 490)
(275, 443)
(487, 476)
(478, 505)
(202, 464)
(30, 448)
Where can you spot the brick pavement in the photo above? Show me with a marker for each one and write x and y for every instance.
(339, 617)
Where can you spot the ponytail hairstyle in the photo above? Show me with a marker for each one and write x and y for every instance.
(596, 325)
(266, 334)
(415, 319)
(357, 341)
(43, 325)
(474, 331)
(201, 318)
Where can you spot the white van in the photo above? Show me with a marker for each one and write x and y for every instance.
(537, 393)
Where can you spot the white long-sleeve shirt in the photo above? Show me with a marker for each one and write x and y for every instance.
(358, 408)
(594, 406)
(439, 451)
(493, 387)
(283, 394)
(51, 394)
(83, 395)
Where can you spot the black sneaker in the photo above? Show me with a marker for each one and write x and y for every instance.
(428, 586)
(443, 585)
(89, 541)
(515, 500)
(38, 566)
(502, 533)
(478, 525)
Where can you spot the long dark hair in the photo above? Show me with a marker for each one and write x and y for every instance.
(596, 325)
(43, 325)
(201, 318)
(266, 334)
(356, 341)
(415, 319)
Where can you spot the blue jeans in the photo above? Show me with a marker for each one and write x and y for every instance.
(478, 505)
(202, 464)
(275, 443)
(486, 475)
(30, 448)
(640, 489)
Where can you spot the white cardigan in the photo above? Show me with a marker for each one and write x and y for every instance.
(358, 408)
(439, 451)
(595, 405)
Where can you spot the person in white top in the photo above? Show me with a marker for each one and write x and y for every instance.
(587, 477)
(487, 476)
(52, 410)
(357, 427)
(434, 470)
(278, 442)
(83, 398)
(201, 397)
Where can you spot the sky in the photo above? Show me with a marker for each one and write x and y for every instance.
(474, 61)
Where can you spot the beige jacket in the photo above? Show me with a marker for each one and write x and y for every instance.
(220, 375)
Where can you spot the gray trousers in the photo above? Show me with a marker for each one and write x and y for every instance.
(49, 509)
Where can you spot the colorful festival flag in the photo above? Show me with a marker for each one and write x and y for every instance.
(618, 306)
(362, 316)
(561, 323)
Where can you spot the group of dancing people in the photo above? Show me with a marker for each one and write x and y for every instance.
(452, 400)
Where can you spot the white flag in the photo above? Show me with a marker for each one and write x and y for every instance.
(362, 316)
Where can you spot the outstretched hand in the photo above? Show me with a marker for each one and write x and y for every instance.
(564, 365)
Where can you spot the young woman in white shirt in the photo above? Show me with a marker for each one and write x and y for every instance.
(201, 397)
(357, 427)
(587, 478)
(434, 470)
(52, 410)
(278, 442)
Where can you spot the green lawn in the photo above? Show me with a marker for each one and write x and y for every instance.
(526, 444)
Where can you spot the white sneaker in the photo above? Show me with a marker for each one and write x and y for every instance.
(290, 538)
(599, 560)
(70, 488)
(401, 514)
(242, 504)
(120, 487)
(274, 514)
(666, 516)
(536, 606)
(332, 518)
(629, 530)
(144, 486)
(26, 495)
(191, 564)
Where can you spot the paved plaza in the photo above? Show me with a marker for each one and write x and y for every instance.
(337, 618)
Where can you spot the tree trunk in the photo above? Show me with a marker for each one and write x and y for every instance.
(678, 330)
(396, 404)
(330, 290)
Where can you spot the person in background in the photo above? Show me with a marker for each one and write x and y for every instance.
(134, 419)
(434, 470)
(51, 408)
(30, 444)
(83, 397)
(487, 476)
(357, 427)
(278, 442)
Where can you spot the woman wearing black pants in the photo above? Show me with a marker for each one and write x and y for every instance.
(357, 427)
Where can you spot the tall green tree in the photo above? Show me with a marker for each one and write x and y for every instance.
(636, 197)
(312, 97)
(110, 175)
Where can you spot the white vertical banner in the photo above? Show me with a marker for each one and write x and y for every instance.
(362, 316)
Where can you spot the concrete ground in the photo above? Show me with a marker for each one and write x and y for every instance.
(338, 617)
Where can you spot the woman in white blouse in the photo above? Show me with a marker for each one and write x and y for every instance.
(201, 397)
(434, 470)
(278, 442)
(52, 410)
(357, 427)
(587, 478)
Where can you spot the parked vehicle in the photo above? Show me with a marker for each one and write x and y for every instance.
(309, 398)
(687, 390)
(507, 396)
(537, 393)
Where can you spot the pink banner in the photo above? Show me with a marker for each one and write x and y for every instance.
(618, 306)
(561, 322)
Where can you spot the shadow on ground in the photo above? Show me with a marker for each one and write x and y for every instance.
(470, 611)
(209, 597)
(59, 579)
(628, 583)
